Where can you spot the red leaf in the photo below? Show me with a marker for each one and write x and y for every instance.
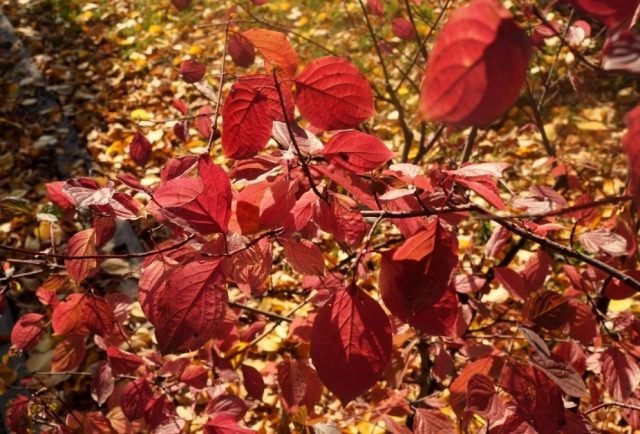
(192, 71)
(548, 309)
(304, 256)
(105, 228)
(159, 410)
(620, 372)
(98, 315)
(616, 290)
(27, 331)
(621, 52)
(276, 49)
(58, 197)
(253, 382)
(418, 292)
(153, 281)
(419, 245)
(135, 397)
(247, 121)
(375, 7)
(299, 385)
(350, 343)
(480, 393)
(467, 81)
(225, 424)
(122, 362)
(204, 122)
(178, 191)
(68, 354)
(242, 51)
(69, 316)
(140, 149)
(613, 13)
(485, 366)
(191, 308)
(180, 4)
(332, 94)
(340, 219)
(432, 421)
(102, 384)
(562, 374)
(82, 243)
(583, 325)
(631, 146)
(357, 152)
(513, 281)
(16, 414)
(216, 197)
(195, 376)
(403, 29)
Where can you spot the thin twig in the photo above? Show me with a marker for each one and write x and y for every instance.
(613, 404)
(468, 146)
(268, 314)
(214, 127)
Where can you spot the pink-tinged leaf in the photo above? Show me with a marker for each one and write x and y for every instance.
(247, 121)
(82, 243)
(613, 13)
(299, 385)
(562, 375)
(224, 424)
(178, 191)
(122, 362)
(486, 187)
(102, 383)
(350, 343)
(602, 240)
(375, 7)
(251, 267)
(357, 152)
(230, 405)
(176, 167)
(253, 382)
(69, 316)
(621, 52)
(481, 169)
(135, 397)
(204, 121)
(242, 51)
(333, 94)
(432, 421)
(191, 308)
(192, 71)
(572, 353)
(308, 143)
(27, 331)
(620, 372)
(180, 4)
(304, 256)
(497, 242)
(277, 202)
(276, 49)
(403, 29)
(578, 32)
(68, 354)
(467, 81)
(140, 149)
(536, 342)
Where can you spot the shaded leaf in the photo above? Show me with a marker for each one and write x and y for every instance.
(27, 331)
(357, 152)
(620, 372)
(350, 343)
(82, 243)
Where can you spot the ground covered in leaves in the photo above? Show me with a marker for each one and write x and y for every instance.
(113, 66)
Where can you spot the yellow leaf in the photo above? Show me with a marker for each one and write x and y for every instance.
(141, 115)
(592, 126)
(620, 305)
(155, 29)
(194, 50)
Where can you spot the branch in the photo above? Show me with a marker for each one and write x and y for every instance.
(613, 404)
(468, 146)
(104, 256)
(268, 314)
(292, 136)
(214, 127)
